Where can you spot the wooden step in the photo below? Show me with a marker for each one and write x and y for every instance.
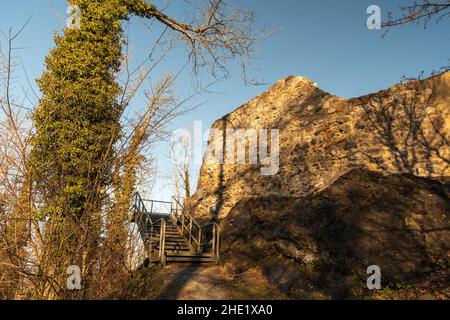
(176, 242)
(173, 251)
(185, 260)
(172, 238)
(167, 231)
(172, 247)
(177, 249)
(190, 254)
(177, 238)
(190, 259)
(168, 234)
(172, 244)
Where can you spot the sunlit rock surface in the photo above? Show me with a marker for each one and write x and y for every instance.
(405, 129)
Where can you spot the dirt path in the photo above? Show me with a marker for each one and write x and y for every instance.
(201, 282)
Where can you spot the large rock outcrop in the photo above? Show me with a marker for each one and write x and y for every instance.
(405, 129)
(361, 182)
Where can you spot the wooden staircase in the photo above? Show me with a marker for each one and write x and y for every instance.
(174, 236)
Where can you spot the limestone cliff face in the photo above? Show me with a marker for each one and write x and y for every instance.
(404, 129)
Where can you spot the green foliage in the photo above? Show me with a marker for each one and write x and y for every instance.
(77, 121)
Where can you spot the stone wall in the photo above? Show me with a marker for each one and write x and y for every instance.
(404, 129)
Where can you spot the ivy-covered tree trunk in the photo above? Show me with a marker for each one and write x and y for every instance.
(77, 126)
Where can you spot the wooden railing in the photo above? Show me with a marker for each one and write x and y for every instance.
(202, 239)
(143, 218)
(162, 243)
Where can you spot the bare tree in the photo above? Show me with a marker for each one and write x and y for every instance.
(181, 156)
(421, 12)
(16, 218)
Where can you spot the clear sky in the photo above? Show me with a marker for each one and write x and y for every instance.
(326, 41)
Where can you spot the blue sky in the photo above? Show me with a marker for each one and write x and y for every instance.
(326, 41)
